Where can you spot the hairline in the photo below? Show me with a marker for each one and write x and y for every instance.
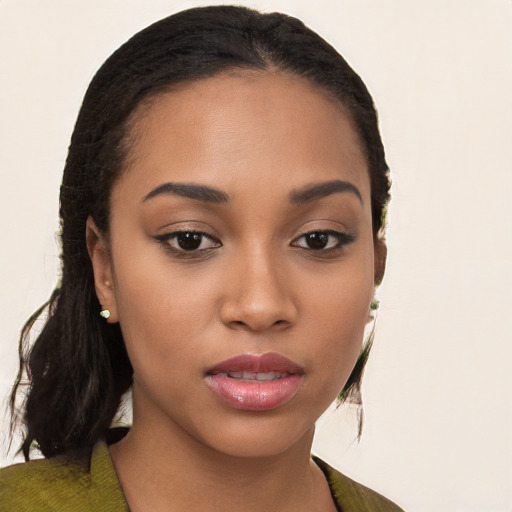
(131, 135)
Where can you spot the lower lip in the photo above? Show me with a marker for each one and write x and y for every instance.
(254, 395)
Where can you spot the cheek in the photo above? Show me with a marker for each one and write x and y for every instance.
(343, 335)
(337, 309)
(338, 296)
(159, 307)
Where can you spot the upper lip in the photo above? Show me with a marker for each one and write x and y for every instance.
(258, 363)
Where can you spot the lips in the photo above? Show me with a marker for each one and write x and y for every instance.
(255, 382)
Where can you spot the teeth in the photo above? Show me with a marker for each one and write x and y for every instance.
(257, 375)
(268, 376)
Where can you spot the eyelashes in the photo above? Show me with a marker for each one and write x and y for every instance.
(188, 243)
(323, 240)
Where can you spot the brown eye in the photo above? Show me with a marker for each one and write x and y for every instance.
(189, 241)
(316, 240)
(323, 240)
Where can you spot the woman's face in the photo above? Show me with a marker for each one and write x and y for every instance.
(240, 261)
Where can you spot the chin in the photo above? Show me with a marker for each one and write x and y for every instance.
(259, 437)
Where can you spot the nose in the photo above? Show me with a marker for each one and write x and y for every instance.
(258, 294)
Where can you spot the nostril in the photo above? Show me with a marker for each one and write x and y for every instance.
(250, 325)
(257, 310)
(280, 324)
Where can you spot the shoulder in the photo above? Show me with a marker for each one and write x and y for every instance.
(42, 485)
(55, 484)
(352, 496)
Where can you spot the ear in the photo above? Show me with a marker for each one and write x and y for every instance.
(102, 268)
(381, 252)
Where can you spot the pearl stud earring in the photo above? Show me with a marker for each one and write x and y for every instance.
(105, 313)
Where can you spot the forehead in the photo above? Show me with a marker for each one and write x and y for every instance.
(248, 126)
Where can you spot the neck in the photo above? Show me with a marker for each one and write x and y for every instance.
(163, 467)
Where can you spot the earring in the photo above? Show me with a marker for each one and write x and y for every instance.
(372, 312)
(105, 313)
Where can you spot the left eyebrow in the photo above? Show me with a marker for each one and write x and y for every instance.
(321, 190)
(190, 191)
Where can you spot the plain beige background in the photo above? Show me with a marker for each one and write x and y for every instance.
(438, 433)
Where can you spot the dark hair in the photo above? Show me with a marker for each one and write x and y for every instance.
(78, 367)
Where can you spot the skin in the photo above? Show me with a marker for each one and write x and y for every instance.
(256, 286)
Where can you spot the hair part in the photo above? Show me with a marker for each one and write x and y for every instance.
(78, 368)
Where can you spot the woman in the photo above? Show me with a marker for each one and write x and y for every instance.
(222, 210)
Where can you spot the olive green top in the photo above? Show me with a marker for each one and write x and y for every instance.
(50, 485)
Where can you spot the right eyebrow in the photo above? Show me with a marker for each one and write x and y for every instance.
(190, 191)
